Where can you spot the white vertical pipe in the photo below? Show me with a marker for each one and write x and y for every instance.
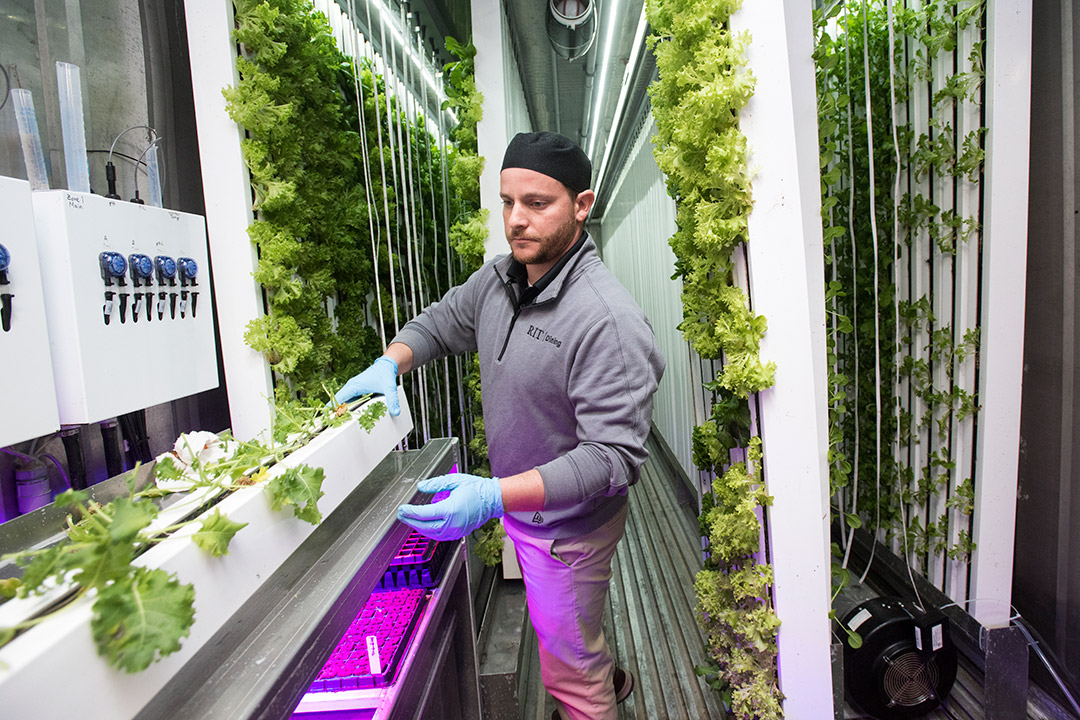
(1008, 78)
(786, 263)
(227, 193)
(965, 317)
(491, 132)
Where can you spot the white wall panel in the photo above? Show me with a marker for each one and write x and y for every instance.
(640, 218)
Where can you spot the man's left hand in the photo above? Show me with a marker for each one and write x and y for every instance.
(472, 502)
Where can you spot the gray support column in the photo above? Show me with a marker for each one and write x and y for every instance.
(1006, 676)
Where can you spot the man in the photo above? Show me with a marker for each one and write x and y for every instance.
(568, 367)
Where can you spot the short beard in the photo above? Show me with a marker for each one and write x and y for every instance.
(553, 246)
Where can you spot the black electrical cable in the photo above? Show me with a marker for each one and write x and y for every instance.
(7, 86)
(120, 154)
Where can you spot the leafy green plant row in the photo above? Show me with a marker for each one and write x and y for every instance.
(352, 206)
(901, 215)
(702, 87)
(140, 614)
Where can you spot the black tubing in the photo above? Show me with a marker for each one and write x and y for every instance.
(73, 449)
(110, 438)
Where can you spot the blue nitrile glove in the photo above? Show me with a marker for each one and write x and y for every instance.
(472, 502)
(379, 379)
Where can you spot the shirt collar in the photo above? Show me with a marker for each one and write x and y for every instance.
(518, 273)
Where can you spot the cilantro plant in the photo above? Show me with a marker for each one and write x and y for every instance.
(900, 92)
(703, 85)
(141, 614)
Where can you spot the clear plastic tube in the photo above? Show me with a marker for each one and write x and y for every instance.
(153, 178)
(30, 138)
(71, 121)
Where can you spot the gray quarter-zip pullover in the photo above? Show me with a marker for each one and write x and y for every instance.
(567, 381)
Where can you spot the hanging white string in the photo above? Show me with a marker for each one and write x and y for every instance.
(382, 169)
(877, 317)
(847, 536)
(896, 293)
(444, 385)
(407, 198)
(464, 415)
(359, 42)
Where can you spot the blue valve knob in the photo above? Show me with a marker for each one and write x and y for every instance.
(188, 268)
(113, 267)
(142, 267)
(166, 268)
(5, 259)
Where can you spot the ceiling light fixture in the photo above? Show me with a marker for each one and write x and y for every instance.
(612, 18)
(391, 22)
(624, 94)
(571, 27)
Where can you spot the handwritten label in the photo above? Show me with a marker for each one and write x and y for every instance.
(373, 655)
(75, 202)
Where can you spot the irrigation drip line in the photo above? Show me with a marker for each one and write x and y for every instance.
(896, 295)
(443, 388)
(382, 170)
(407, 202)
(877, 317)
(465, 416)
(359, 42)
(854, 282)
(416, 198)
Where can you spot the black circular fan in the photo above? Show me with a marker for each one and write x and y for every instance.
(906, 664)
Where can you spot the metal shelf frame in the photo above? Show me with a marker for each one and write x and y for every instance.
(264, 659)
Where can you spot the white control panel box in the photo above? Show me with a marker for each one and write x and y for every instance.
(27, 395)
(127, 296)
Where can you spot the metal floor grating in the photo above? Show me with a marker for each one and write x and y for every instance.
(651, 627)
(649, 622)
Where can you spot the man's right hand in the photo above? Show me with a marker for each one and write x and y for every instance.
(379, 379)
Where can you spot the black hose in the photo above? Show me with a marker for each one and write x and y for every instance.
(143, 434)
(127, 434)
(133, 427)
(110, 438)
(71, 437)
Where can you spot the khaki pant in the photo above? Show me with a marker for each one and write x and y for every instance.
(566, 585)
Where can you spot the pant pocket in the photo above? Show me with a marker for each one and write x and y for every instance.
(564, 550)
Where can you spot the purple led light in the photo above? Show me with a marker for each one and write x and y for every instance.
(388, 616)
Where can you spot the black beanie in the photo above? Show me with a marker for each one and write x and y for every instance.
(551, 154)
